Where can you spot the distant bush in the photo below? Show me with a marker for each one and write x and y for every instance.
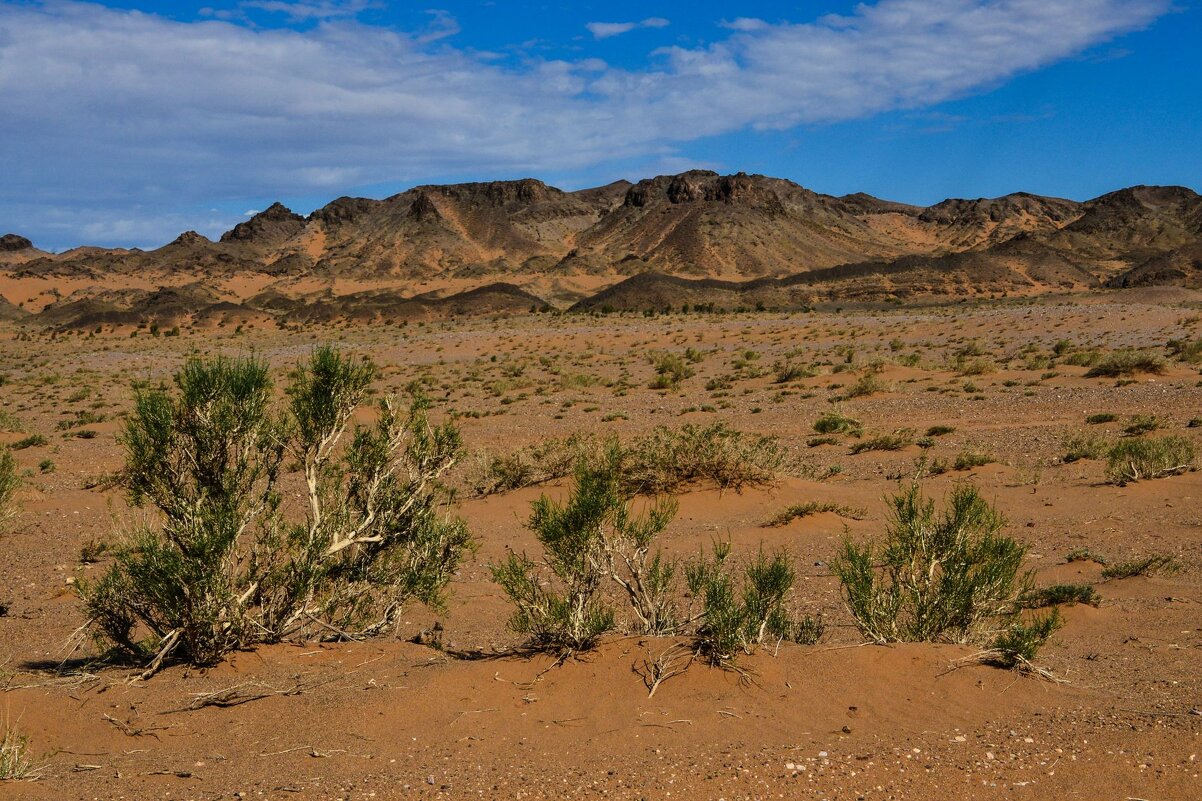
(668, 458)
(1101, 417)
(670, 370)
(940, 430)
(835, 423)
(1188, 351)
(32, 441)
(1144, 566)
(1126, 362)
(10, 481)
(967, 460)
(799, 510)
(885, 442)
(867, 384)
(1060, 594)
(229, 567)
(787, 371)
(1144, 458)
(947, 576)
(1085, 446)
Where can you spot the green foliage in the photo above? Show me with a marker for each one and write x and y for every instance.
(1085, 446)
(787, 371)
(1144, 566)
(967, 460)
(949, 576)
(10, 481)
(228, 567)
(835, 423)
(1188, 351)
(885, 442)
(737, 616)
(559, 603)
(1017, 645)
(32, 441)
(670, 371)
(667, 459)
(1061, 594)
(797, 510)
(865, 385)
(1101, 417)
(1146, 458)
(1126, 362)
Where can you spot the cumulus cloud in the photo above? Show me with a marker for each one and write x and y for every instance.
(303, 11)
(106, 109)
(604, 30)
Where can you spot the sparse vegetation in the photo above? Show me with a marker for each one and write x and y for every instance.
(948, 576)
(1058, 594)
(229, 567)
(1085, 446)
(1142, 458)
(15, 762)
(10, 481)
(835, 423)
(1126, 362)
(885, 442)
(1143, 566)
(799, 510)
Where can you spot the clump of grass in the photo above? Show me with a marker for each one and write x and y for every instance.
(1141, 424)
(670, 370)
(865, 385)
(967, 460)
(738, 616)
(10, 481)
(941, 577)
(1084, 555)
(1188, 351)
(1147, 458)
(836, 423)
(1143, 566)
(798, 510)
(32, 441)
(1085, 446)
(667, 459)
(787, 371)
(1058, 594)
(940, 430)
(1126, 362)
(1015, 648)
(15, 762)
(1100, 418)
(885, 442)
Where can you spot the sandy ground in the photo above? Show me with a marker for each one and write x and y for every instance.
(840, 720)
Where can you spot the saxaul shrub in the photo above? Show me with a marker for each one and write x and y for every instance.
(740, 612)
(946, 576)
(588, 539)
(10, 481)
(228, 567)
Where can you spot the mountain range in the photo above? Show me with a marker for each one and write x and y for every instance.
(696, 237)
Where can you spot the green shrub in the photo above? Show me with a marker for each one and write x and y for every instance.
(559, 603)
(1144, 566)
(885, 442)
(941, 577)
(1061, 594)
(1101, 417)
(1126, 362)
(1186, 350)
(1141, 424)
(835, 423)
(10, 481)
(791, 513)
(1084, 555)
(1016, 646)
(667, 459)
(736, 617)
(967, 460)
(670, 370)
(1085, 446)
(229, 567)
(787, 371)
(32, 441)
(1144, 458)
(867, 384)
(940, 430)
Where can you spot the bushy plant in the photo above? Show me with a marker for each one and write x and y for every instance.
(835, 423)
(10, 481)
(1084, 446)
(885, 442)
(668, 458)
(670, 371)
(1152, 457)
(937, 577)
(1126, 362)
(229, 567)
(738, 616)
(560, 603)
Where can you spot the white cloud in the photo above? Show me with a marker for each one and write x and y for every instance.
(604, 30)
(302, 11)
(106, 109)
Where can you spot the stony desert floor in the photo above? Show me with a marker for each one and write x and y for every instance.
(388, 718)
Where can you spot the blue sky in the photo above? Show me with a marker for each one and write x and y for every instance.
(125, 123)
